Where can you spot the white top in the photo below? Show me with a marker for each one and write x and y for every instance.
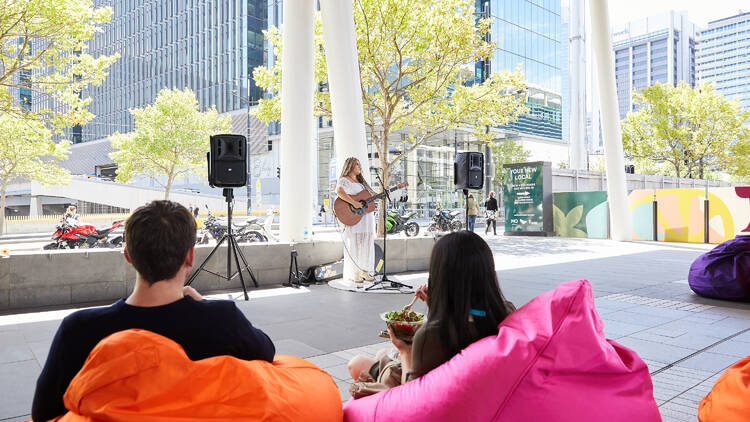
(367, 223)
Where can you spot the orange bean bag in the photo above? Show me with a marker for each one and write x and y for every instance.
(136, 375)
(729, 400)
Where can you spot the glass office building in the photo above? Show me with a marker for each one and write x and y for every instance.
(724, 57)
(209, 46)
(529, 33)
(656, 49)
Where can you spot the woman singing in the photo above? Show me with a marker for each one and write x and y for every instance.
(359, 239)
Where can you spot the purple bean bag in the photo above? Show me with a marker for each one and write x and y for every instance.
(724, 271)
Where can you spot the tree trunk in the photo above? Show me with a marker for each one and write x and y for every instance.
(386, 176)
(168, 186)
(385, 171)
(700, 169)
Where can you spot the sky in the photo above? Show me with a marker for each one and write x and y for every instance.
(700, 12)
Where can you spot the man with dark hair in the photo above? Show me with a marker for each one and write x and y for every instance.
(160, 239)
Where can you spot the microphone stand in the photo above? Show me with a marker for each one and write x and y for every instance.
(385, 283)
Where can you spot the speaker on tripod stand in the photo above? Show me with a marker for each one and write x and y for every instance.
(468, 173)
(227, 164)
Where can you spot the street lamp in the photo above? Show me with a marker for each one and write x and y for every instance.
(249, 185)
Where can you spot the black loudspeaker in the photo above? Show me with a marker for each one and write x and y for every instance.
(468, 170)
(227, 161)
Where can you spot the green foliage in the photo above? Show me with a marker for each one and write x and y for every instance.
(45, 41)
(170, 139)
(507, 152)
(27, 152)
(695, 130)
(415, 57)
(740, 161)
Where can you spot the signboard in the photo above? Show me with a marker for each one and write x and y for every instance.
(527, 198)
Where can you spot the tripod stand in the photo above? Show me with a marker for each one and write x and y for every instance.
(231, 247)
(385, 283)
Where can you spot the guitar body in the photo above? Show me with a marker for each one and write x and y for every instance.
(350, 216)
(347, 214)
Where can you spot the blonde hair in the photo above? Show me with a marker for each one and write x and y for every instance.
(349, 166)
(71, 209)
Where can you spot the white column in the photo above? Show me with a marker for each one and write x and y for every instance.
(35, 206)
(296, 111)
(577, 87)
(616, 187)
(343, 83)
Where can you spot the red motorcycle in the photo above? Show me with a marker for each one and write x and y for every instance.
(84, 236)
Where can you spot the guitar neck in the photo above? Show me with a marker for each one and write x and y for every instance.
(382, 194)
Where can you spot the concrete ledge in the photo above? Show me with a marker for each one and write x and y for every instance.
(69, 277)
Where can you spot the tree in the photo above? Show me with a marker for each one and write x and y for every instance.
(740, 162)
(416, 60)
(27, 152)
(692, 129)
(170, 139)
(43, 50)
(507, 152)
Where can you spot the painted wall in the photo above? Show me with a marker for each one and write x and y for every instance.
(680, 214)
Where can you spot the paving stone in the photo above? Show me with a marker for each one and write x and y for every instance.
(13, 348)
(339, 372)
(709, 361)
(732, 347)
(617, 329)
(326, 361)
(296, 348)
(687, 340)
(639, 319)
(655, 351)
(17, 387)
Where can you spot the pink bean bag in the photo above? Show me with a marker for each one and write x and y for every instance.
(549, 362)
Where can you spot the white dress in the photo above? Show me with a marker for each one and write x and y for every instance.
(359, 239)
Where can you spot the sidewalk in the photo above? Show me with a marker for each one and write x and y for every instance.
(640, 288)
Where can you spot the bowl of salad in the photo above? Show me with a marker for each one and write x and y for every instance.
(404, 323)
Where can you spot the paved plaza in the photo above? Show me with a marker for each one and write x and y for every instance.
(640, 288)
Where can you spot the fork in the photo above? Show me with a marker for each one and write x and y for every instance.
(413, 301)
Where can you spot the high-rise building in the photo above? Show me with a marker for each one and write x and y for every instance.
(656, 49)
(208, 46)
(723, 57)
(528, 32)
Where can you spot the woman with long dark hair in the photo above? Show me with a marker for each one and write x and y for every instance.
(465, 304)
(359, 239)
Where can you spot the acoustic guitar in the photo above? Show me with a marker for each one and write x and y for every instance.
(349, 216)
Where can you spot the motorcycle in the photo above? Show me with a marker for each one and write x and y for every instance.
(396, 223)
(216, 228)
(444, 221)
(257, 230)
(68, 236)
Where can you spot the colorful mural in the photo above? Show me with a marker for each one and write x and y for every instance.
(680, 214)
(580, 214)
(642, 213)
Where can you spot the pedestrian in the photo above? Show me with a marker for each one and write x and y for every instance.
(490, 206)
(473, 212)
(190, 208)
(195, 211)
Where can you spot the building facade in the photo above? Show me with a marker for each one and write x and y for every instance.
(656, 49)
(208, 46)
(723, 57)
(529, 34)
